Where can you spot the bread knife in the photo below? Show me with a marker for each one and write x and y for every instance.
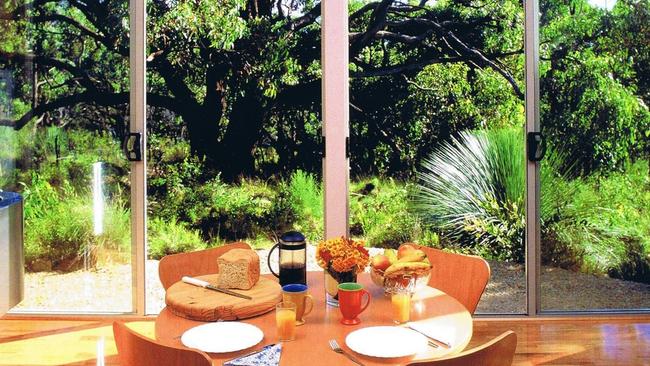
(208, 285)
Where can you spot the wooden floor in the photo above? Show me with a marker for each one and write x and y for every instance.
(540, 342)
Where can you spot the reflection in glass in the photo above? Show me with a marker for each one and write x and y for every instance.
(64, 91)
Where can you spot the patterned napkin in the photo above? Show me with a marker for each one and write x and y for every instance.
(267, 356)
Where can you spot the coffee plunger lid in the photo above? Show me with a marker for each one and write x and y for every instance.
(292, 237)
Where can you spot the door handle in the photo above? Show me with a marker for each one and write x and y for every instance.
(536, 146)
(133, 146)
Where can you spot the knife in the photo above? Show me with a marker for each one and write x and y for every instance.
(428, 336)
(206, 284)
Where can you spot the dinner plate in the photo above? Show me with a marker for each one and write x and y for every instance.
(386, 341)
(222, 337)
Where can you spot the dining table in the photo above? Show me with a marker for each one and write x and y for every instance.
(311, 347)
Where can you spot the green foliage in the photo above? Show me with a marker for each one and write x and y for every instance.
(306, 200)
(594, 81)
(589, 113)
(59, 226)
(171, 237)
(473, 190)
(379, 212)
(606, 227)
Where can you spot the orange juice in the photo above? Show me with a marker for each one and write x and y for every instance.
(285, 320)
(401, 307)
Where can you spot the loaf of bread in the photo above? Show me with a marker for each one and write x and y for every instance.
(239, 268)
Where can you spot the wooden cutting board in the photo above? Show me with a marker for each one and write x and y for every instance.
(198, 303)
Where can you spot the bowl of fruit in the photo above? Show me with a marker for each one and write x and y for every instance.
(404, 269)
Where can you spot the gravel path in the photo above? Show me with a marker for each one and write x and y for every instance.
(109, 289)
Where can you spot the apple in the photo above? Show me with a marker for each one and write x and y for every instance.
(404, 250)
(380, 262)
(391, 254)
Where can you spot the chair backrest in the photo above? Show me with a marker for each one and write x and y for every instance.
(462, 277)
(173, 267)
(136, 350)
(498, 352)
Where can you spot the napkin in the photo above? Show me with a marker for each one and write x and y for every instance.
(442, 332)
(267, 356)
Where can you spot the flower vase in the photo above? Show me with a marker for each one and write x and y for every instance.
(332, 281)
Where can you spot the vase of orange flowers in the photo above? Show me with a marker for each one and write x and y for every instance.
(342, 259)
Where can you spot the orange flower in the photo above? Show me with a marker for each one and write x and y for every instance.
(342, 255)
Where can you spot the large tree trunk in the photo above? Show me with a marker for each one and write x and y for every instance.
(235, 157)
(203, 131)
(203, 122)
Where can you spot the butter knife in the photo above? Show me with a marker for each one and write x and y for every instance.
(428, 336)
(206, 284)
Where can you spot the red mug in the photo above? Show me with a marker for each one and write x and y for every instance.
(350, 295)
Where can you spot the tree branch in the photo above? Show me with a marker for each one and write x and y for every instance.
(416, 66)
(20, 14)
(402, 68)
(85, 79)
(376, 24)
(305, 20)
(465, 52)
(397, 37)
(96, 98)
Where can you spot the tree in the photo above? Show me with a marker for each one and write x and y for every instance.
(594, 84)
(233, 70)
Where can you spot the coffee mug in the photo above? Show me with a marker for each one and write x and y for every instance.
(297, 294)
(350, 295)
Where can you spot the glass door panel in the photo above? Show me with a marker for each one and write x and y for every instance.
(234, 146)
(595, 202)
(436, 133)
(64, 93)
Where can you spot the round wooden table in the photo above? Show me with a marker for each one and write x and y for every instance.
(311, 344)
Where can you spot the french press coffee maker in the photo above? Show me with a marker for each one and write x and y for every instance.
(292, 258)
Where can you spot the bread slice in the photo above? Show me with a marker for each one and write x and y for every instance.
(238, 268)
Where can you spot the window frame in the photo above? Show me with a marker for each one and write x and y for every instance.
(335, 92)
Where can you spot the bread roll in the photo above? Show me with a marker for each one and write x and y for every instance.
(238, 268)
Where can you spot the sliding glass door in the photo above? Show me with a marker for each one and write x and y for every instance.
(64, 106)
(436, 133)
(234, 129)
(595, 190)
(235, 146)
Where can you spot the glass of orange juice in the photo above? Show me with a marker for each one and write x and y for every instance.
(285, 320)
(401, 304)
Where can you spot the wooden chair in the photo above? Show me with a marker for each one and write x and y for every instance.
(498, 352)
(136, 350)
(173, 267)
(462, 277)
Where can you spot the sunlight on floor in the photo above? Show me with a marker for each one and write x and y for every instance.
(66, 348)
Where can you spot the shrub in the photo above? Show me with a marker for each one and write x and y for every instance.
(226, 212)
(606, 227)
(59, 229)
(472, 189)
(306, 200)
(171, 237)
(379, 212)
(588, 112)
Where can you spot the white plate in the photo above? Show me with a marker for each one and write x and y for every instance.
(386, 341)
(222, 337)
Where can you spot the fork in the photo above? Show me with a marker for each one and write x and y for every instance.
(334, 345)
